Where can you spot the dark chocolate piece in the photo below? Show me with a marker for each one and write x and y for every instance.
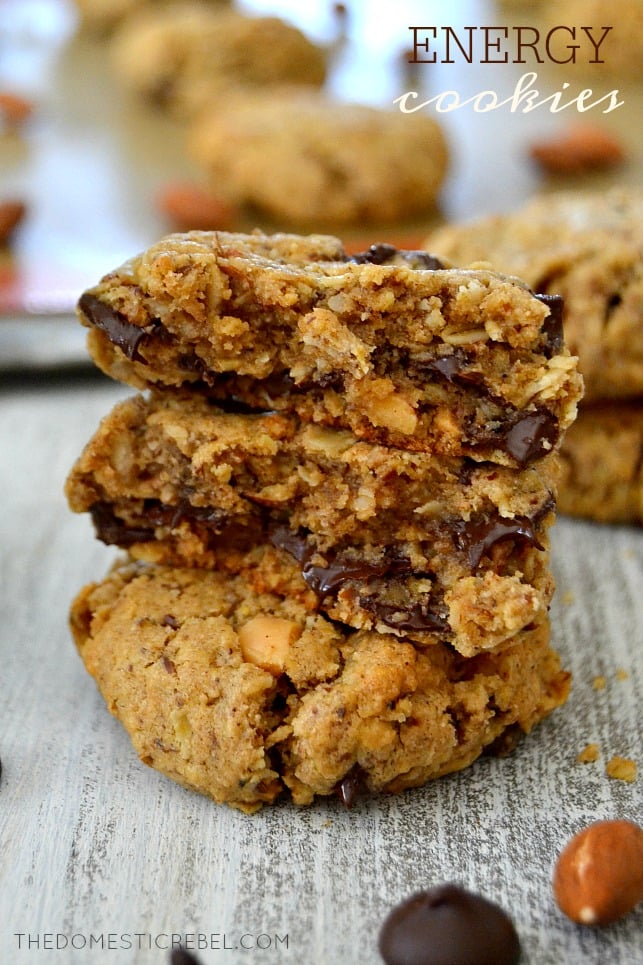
(180, 956)
(477, 536)
(113, 531)
(553, 324)
(381, 253)
(119, 330)
(350, 786)
(419, 616)
(453, 368)
(448, 926)
(531, 437)
(329, 578)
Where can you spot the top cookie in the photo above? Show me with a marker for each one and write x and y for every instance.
(186, 55)
(586, 247)
(391, 345)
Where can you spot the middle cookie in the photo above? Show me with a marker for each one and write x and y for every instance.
(387, 539)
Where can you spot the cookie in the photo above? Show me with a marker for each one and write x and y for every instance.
(186, 56)
(304, 159)
(103, 16)
(437, 550)
(602, 460)
(587, 247)
(619, 52)
(389, 345)
(248, 696)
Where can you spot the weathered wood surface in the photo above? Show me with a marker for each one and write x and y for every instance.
(94, 843)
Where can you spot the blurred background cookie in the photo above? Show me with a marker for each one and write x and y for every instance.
(305, 159)
(184, 56)
(587, 247)
(102, 16)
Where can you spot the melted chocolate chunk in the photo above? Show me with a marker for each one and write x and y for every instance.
(350, 786)
(553, 325)
(377, 254)
(453, 368)
(329, 579)
(419, 616)
(113, 531)
(119, 330)
(382, 253)
(448, 925)
(161, 515)
(477, 536)
(531, 437)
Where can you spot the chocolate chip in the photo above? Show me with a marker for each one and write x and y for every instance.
(531, 437)
(448, 926)
(328, 578)
(350, 786)
(119, 330)
(114, 531)
(170, 621)
(419, 616)
(179, 956)
(453, 368)
(477, 536)
(377, 254)
(552, 327)
(168, 665)
(381, 254)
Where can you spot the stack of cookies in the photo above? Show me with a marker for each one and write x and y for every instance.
(334, 490)
(589, 247)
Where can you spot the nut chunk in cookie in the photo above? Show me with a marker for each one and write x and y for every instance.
(246, 696)
(391, 345)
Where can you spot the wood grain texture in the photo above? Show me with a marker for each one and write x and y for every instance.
(93, 843)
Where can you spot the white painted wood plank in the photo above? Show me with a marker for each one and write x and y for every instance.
(94, 843)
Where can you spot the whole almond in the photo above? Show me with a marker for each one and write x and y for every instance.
(189, 207)
(598, 877)
(11, 214)
(14, 109)
(579, 148)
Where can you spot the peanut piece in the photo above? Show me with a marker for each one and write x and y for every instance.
(598, 877)
(265, 641)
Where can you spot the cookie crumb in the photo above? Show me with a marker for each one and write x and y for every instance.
(568, 598)
(598, 683)
(622, 674)
(589, 754)
(622, 769)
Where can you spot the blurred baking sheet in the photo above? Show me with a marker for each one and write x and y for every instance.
(90, 161)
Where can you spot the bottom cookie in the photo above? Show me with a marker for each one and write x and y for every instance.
(248, 696)
(602, 459)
